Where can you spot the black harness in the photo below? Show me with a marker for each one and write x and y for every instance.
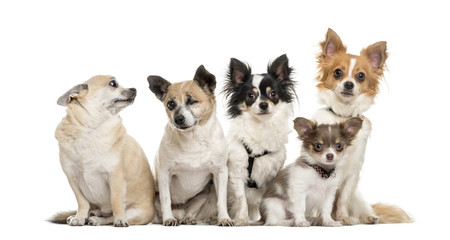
(251, 159)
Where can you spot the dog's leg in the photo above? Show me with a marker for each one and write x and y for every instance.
(164, 196)
(299, 209)
(347, 190)
(83, 206)
(240, 207)
(193, 207)
(118, 198)
(220, 183)
(326, 208)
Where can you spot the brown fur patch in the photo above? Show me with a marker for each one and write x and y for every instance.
(340, 59)
(180, 91)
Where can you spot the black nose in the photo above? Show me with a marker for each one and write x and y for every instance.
(349, 85)
(264, 106)
(133, 89)
(179, 120)
(330, 156)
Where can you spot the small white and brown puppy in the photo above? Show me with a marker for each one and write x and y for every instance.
(309, 185)
(192, 150)
(106, 168)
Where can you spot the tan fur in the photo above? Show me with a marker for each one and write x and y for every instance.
(92, 138)
(341, 59)
(180, 90)
(391, 214)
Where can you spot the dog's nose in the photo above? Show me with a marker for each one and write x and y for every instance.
(349, 85)
(179, 120)
(133, 89)
(330, 156)
(264, 106)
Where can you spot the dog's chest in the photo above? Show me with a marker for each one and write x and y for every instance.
(88, 161)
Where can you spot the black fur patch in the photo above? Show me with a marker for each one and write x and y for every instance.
(275, 86)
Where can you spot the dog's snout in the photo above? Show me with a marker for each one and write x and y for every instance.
(330, 157)
(349, 85)
(264, 106)
(133, 89)
(179, 120)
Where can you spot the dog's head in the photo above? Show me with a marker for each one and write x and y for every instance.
(187, 103)
(258, 94)
(101, 93)
(345, 77)
(326, 143)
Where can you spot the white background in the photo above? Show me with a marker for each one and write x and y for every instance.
(46, 47)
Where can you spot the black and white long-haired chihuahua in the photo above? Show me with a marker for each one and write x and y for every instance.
(260, 108)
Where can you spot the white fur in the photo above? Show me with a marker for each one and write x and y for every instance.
(184, 165)
(267, 132)
(351, 207)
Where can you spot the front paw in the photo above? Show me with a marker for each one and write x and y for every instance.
(332, 223)
(241, 221)
(189, 221)
(226, 222)
(303, 223)
(171, 222)
(121, 223)
(74, 221)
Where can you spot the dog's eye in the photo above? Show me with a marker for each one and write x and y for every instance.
(190, 100)
(273, 94)
(318, 147)
(251, 95)
(361, 77)
(113, 84)
(339, 147)
(171, 105)
(337, 73)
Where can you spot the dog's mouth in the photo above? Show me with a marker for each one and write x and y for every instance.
(127, 100)
(347, 93)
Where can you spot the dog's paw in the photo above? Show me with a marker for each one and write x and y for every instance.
(121, 223)
(241, 221)
(94, 221)
(171, 222)
(302, 223)
(189, 221)
(74, 221)
(369, 219)
(348, 221)
(226, 222)
(332, 223)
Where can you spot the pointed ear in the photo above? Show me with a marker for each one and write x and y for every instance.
(238, 72)
(332, 44)
(351, 127)
(376, 53)
(159, 86)
(304, 127)
(71, 94)
(205, 80)
(280, 68)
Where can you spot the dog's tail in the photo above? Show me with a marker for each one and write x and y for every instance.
(61, 217)
(391, 214)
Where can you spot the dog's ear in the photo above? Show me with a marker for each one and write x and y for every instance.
(280, 69)
(332, 44)
(351, 127)
(159, 86)
(377, 54)
(71, 94)
(205, 79)
(304, 127)
(238, 72)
